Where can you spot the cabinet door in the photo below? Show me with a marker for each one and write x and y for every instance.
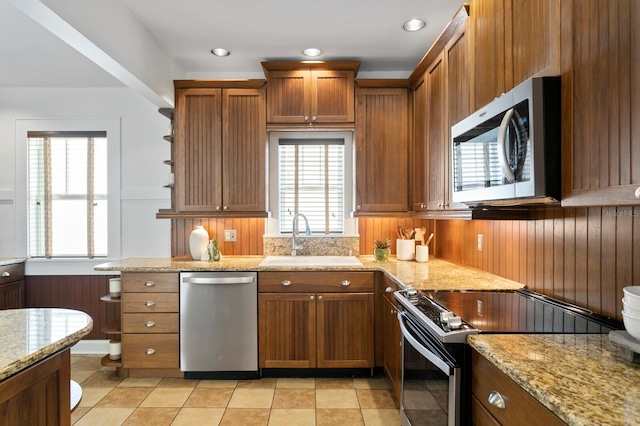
(244, 148)
(392, 345)
(437, 134)
(287, 330)
(289, 96)
(601, 103)
(345, 330)
(12, 295)
(382, 151)
(198, 146)
(420, 157)
(332, 96)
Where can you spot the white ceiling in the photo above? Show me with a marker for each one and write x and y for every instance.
(145, 44)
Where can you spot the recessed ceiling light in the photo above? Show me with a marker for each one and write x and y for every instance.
(312, 52)
(414, 24)
(219, 51)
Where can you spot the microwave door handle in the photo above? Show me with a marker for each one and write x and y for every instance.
(502, 149)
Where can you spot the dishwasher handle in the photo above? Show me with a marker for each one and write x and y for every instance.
(217, 280)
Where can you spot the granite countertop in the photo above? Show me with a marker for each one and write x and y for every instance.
(582, 378)
(437, 274)
(30, 335)
(4, 261)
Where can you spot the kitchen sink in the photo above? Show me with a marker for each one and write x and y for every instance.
(310, 261)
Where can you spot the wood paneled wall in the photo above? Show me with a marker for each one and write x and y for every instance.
(584, 256)
(371, 229)
(249, 235)
(81, 292)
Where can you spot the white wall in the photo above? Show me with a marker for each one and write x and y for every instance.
(142, 152)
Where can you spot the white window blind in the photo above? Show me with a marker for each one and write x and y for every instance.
(311, 181)
(67, 194)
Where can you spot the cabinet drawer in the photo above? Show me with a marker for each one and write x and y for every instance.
(11, 273)
(306, 282)
(150, 351)
(520, 407)
(150, 323)
(150, 283)
(150, 302)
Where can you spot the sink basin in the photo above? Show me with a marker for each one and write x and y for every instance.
(310, 261)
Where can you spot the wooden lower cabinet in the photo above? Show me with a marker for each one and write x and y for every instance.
(392, 344)
(302, 328)
(12, 287)
(520, 407)
(43, 388)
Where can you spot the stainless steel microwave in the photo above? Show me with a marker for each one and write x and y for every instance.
(508, 153)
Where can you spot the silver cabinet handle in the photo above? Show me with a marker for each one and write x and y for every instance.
(314, 118)
(149, 283)
(286, 283)
(345, 283)
(496, 400)
(6, 274)
(149, 303)
(388, 290)
(638, 193)
(306, 118)
(217, 208)
(150, 351)
(358, 207)
(319, 297)
(150, 324)
(225, 208)
(312, 298)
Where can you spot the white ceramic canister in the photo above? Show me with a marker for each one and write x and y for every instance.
(115, 350)
(422, 253)
(198, 241)
(115, 287)
(405, 249)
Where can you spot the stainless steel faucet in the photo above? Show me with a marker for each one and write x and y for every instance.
(307, 231)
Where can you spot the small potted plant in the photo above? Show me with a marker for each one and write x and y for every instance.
(381, 249)
(213, 250)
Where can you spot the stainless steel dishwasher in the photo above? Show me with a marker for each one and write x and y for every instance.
(219, 325)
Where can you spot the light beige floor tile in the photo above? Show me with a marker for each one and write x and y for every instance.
(140, 382)
(176, 382)
(102, 379)
(372, 383)
(305, 383)
(245, 417)
(198, 417)
(152, 416)
(336, 398)
(209, 397)
(167, 397)
(105, 417)
(338, 417)
(334, 383)
(294, 398)
(375, 398)
(292, 417)
(86, 362)
(217, 384)
(78, 413)
(384, 417)
(260, 383)
(124, 397)
(81, 375)
(251, 398)
(91, 396)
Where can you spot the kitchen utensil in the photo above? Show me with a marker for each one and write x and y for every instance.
(429, 239)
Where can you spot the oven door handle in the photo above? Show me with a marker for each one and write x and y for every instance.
(433, 358)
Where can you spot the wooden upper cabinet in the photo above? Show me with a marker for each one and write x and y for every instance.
(220, 149)
(437, 134)
(600, 102)
(298, 94)
(382, 150)
(512, 41)
(420, 157)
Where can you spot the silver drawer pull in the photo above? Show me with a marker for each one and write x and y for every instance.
(150, 323)
(286, 283)
(319, 297)
(6, 274)
(149, 283)
(150, 351)
(345, 283)
(388, 290)
(496, 400)
(149, 303)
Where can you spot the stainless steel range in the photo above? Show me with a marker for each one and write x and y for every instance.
(436, 379)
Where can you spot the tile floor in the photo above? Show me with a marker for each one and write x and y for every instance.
(111, 400)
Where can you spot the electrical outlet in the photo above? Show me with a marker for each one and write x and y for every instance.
(479, 307)
(480, 242)
(230, 235)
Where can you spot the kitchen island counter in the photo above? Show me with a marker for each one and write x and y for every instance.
(437, 274)
(581, 378)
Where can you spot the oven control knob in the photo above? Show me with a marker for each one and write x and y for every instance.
(444, 317)
(455, 322)
(411, 291)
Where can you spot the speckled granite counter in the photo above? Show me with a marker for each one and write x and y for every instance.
(436, 274)
(4, 261)
(30, 335)
(581, 378)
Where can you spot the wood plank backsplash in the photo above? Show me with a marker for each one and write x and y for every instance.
(584, 256)
(371, 229)
(249, 235)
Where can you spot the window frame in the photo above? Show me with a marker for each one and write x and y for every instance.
(350, 223)
(76, 265)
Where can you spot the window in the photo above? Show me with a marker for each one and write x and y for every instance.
(311, 173)
(67, 194)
